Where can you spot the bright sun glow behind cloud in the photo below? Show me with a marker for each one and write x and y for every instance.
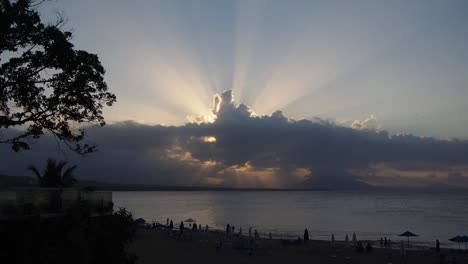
(332, 59)
(209, 139)
(265, 70)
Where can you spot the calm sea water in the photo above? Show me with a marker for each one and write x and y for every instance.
(286, 213)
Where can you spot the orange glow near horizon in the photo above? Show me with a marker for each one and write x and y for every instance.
(213, 172)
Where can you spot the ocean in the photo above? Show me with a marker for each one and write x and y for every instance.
(370, 214)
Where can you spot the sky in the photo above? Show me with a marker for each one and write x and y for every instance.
(403, 61)
(301, 94)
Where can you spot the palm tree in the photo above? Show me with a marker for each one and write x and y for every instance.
(55, 174)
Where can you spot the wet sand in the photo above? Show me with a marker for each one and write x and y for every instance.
(156, 246)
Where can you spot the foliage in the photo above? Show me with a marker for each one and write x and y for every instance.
(46, 84)
(55, 175)
(75, 238)
(123, 221)
(88, 189)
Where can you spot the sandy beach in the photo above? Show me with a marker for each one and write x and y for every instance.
(152, 246)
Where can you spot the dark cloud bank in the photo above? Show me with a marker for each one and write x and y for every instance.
(243, 150)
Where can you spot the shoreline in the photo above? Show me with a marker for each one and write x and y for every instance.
(215, 246)
(414, 244)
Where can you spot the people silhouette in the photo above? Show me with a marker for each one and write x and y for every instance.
(369, 247)
(306, 235)
(359, 247)
(181, 227)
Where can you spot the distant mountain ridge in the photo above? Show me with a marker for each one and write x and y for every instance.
(28, 181)
(7, 182)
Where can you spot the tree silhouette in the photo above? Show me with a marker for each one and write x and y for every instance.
(46, 84)
(55, 174)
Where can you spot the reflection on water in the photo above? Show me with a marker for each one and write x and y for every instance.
(286, 213)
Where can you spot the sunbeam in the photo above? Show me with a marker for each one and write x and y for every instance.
(246, 21)
(306, 58)
(337, 116)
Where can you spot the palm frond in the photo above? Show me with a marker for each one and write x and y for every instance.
(36, 172)
(56, 174)
(68, 178)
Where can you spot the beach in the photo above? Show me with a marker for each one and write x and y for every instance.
(152, 246)
(369, 214)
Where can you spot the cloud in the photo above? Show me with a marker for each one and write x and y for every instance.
(226, 111)
(370, 123)
(241, 149)
(430, 175)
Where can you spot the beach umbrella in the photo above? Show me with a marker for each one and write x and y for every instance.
(456, 239)
(460, 239)
(408, 234)
(140, 221)
(464, 239)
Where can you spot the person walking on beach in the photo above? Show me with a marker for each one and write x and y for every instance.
(167, 221)
(346, 240)
(368, 247)
(181, 227)
(385, 242)
(170, 227)
(206, 228)
(228, 229)
(437, 245)
(359, 247)
(306, 235)
(332, 240)
(354, 238)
